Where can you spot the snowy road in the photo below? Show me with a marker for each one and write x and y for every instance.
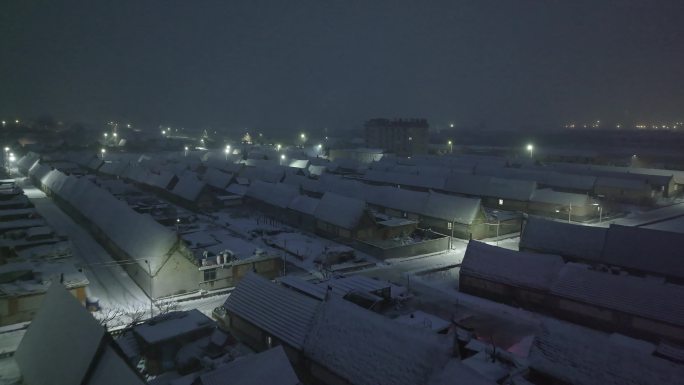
(110, 283)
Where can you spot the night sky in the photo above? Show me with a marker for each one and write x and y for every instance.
(311, 64)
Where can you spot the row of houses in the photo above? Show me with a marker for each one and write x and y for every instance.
(172, 349)
(329, 340)
(641, 307)
(457, 216)
(153, 255)
(32, 256)
(573, 176)
(333, 341)
(495, 192)
(635, 250)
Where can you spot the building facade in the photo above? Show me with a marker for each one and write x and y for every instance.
(404, 137)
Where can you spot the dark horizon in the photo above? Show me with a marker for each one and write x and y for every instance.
(306, 66)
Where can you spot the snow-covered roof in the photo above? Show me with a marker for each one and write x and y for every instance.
(299, 163)
(39, 170)
(451, 208)
(516, 268)
(113, 370)
(316, 169)
(140, 236)
(188, 187)
(456, 373)
(304, 204)
(46, 357)
(581, 356)
(340, 211)
(562, 238)
(281, 312)
(272, 173)
(366, 348)
(114, 167)
(395, 198)
(217, 178)
(675, 225)
(161, 179)
(266, 368)
(237, 189)
(276, 194)
(487, 186)
(628, 294)
(27, 161)
(405, 179)
(553, 197)
(173, 325)
(647, 250)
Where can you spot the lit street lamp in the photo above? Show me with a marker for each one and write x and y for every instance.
(451, 146)
(227, 151)
(186, 150)
(102, 151)
(530, 148)
(277, 147)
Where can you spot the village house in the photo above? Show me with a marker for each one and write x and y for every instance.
(264, 314)
(80, 353)
(641, 307)
(636, 250)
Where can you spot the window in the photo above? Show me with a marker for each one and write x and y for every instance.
(209, 275)
(449, 225)
(500, 202)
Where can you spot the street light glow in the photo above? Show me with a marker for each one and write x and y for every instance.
(530, 147)
(115, 134)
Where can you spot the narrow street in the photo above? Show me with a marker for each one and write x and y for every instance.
(109, 283)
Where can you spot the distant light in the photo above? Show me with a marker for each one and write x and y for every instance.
(277, 147)
(103, 150)
(319, 146)
(500, 202)
(530, 147)
(3, 122)
(115, 134)
(128, 125)
(449, 143)
(105, 134)
(186, 148)
(12, 158)
(163, 132)
(410, 138)
(302, 135)
(282, 157)
(227, 150)
(451, 125)
(16, 121)
(7, 149)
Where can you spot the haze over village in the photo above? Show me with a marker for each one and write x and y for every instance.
(299, 193)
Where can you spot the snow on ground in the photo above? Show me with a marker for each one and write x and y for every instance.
(109, 283)
(299, 248)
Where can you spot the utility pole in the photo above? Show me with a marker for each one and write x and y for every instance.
(149, 268)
